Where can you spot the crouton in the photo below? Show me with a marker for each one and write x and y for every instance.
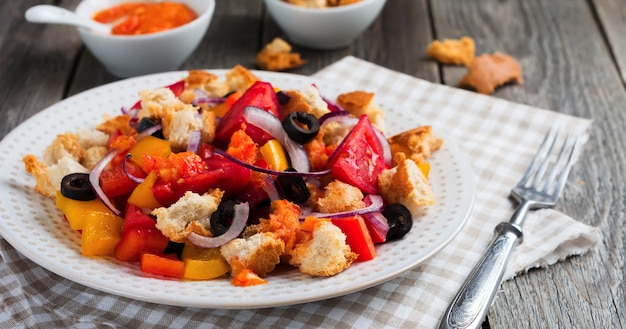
(93, 155)
(260, 253)
(178, 124)
(209, 124)
(417, 144)
(207, 82)
(283, 221)
(405, 184)
(277, 56)
(48, 178)
(325, 254)
(64, 145)
(191, 213)
(361, 102)
(334, 132)
(239, 78)
(339, 196)
(308, 100)
(155, 103)
(117, 123)
(91, 138)
(452, 51)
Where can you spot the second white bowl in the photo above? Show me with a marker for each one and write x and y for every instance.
(327, 28)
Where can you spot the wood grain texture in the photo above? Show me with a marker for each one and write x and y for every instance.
(612, 17)
(36, 65)
(573, 56)
(568, 68)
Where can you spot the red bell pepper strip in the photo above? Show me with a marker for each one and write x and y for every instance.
(357, 236)
(162, 265)
(138, 241)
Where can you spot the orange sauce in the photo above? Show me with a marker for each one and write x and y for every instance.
(144, 18)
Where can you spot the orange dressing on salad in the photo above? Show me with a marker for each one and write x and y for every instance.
(134, 18)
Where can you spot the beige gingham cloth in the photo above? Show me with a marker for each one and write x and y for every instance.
(498, 137)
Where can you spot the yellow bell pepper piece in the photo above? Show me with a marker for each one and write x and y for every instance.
(75, 211)
(102, 231)
(149, 145)
(425, 168)
(203, 264)
(142, 196)
(274, 154)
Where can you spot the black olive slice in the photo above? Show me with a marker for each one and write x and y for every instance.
(399, 219)
(146, 123)
(222, 217)
(76, 186)
(293, 187)
(301, 127)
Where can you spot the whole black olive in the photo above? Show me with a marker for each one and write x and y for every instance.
(76, 186)
(293, 187)
(400, 221)
(222, 217)
(301, 127)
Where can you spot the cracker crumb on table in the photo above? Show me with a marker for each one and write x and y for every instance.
(452, 51)
(487, 72)
(277, 56)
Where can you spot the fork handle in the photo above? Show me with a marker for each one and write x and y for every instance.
(470, 305)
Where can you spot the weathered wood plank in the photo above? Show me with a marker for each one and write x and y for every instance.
(559, 43)
(612, 15)
(36, 63)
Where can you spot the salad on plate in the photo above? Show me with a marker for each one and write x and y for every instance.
(209, 178)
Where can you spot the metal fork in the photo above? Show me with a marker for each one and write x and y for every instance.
(538, 188)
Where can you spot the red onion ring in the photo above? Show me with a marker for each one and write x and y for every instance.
(384, 143)
(94, 179)
(270, 188)
(374, 203)
(272, 126)
(240, 219)
(193, 141)
(270, 171)
(135, 179)
(378, 222)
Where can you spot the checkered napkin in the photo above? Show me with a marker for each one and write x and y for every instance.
(498, 137)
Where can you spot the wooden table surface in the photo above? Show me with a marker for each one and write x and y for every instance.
(573, 55)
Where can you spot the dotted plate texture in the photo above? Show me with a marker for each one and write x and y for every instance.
(33, 226)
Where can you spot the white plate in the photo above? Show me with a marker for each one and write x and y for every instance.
(33, 226)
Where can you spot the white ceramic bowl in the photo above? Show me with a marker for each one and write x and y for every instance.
(327, 28)
(134, 55)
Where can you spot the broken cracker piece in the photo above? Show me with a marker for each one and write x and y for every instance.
(277, 56)
(486, 72)
(452, 51)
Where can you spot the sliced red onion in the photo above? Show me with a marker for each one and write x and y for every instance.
(199, 93)
(378, 223)
(132, 177)
(270, 188)
(193, 141)
(386, 147)
(272, 126)
(149, 131)
(270, 171)
(374, 203)
(94, 179)
(238, 224)
(332, 106)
